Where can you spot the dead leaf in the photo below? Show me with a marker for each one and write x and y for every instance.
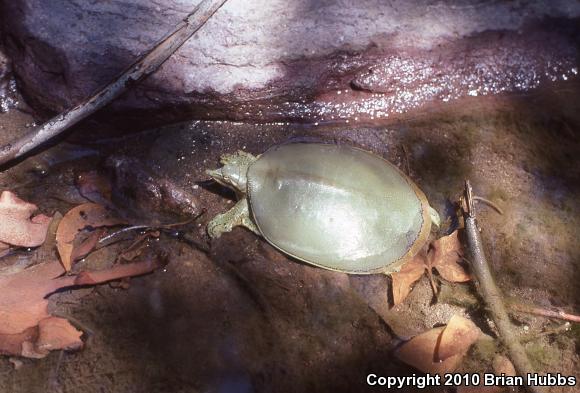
(424, 350)
(87, 245)
(403, 280)
(26, 327)
(46, 252)
(11, 344)
(74, 221)
(459, 334)
(419, 352)
(51, 334)
(116, 272)
(18, 225)
(29, 351)
(23, 302)
(445, 257)
(57, 333)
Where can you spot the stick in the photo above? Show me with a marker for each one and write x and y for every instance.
(557, 314)
(491, 293)
(489, 203)
(144, 66)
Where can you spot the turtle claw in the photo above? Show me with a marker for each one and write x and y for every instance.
(435, 220)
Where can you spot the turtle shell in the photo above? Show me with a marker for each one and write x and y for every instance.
(337, 207)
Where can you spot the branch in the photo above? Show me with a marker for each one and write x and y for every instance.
(491, 293)
(144, 66)
(557, 314)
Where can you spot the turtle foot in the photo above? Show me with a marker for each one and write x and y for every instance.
(238, 215)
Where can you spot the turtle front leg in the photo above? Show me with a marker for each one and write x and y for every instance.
(239, 215)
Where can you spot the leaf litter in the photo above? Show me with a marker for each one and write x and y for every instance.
(27, 329)
(444, 256)
(24, 328)
(441, 349)
(20, 227)
(87, 216)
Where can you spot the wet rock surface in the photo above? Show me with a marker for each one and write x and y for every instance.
(301, 60)
(138, 192)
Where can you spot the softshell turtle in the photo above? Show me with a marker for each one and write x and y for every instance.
(333, 206)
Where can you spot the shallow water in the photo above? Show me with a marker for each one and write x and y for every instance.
(236, 315)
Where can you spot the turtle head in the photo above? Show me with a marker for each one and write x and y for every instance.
(234, 171)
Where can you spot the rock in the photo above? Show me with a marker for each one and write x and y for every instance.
(140, 192)
(8, 95)
(303, 60)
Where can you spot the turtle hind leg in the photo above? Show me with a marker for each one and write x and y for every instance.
(239, 215)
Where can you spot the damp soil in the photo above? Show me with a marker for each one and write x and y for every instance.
(235, 315)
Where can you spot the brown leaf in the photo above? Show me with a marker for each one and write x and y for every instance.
(57, 333)
(118, 271)
(403, 280)
(11, 344)
(47, 250)
(18, 225)
(419, 352)
(459, 334)
(87, 245)
(23, 303)
(26, 327)
(444, 257)
(424, 350)
(29, 351)
(52, 334)
(74, 221)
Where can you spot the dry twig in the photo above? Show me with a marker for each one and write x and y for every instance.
(143, 67)
(543, 312)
